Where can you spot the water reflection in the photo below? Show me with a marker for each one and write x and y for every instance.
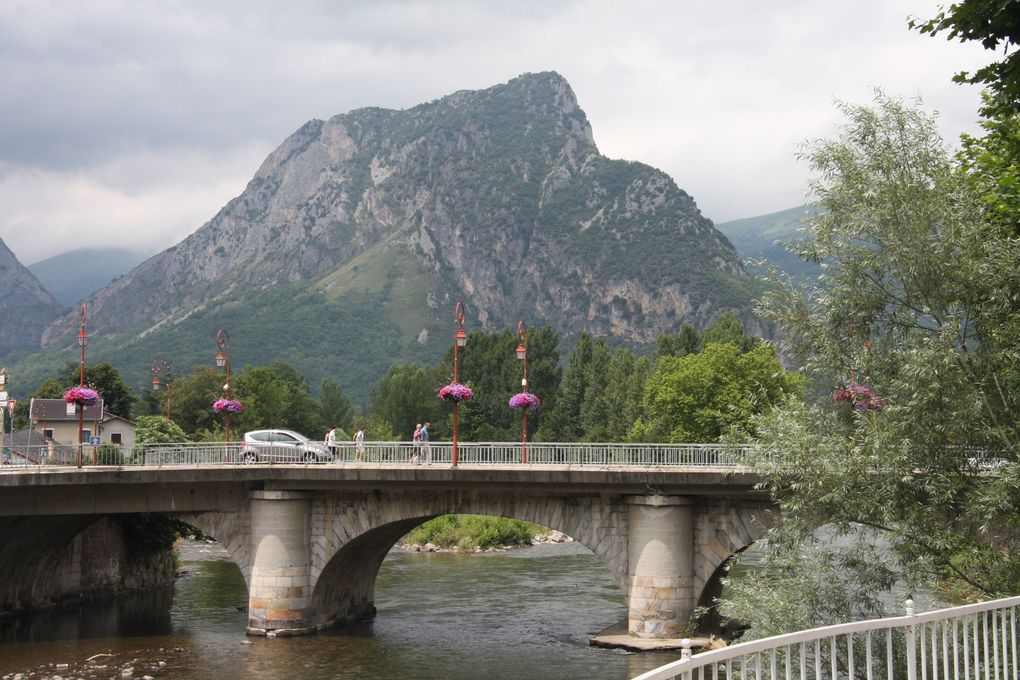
(522, 614)
(143, 613)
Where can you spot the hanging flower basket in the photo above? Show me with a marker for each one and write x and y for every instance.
(227, 406)
(82, 396)
(456, 392)
(525, 400)
(860, 397)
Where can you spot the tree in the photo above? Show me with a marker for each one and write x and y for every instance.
(117, 396)
(194, 395)
(687, 341)
(489, 364)
(622, 400)
(275, 396)
(728, 328)
(335, 407)
(562, 420)
(699, 397)
(404, 397)
(908, 307)
(157, 430)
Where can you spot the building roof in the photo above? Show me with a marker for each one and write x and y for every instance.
(55, 410)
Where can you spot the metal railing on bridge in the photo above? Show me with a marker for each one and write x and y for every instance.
(977, 641)
(383, 453)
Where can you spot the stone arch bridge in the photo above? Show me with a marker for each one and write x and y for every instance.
(309, 539)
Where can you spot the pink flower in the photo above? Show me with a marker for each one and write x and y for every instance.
(525, 400)
(84, 396)
(227, 406)
(456, 392)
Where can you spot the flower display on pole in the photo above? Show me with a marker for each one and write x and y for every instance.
(860, 397)
(525, 400)
(456, 392)
(227, 406)
(83, 396)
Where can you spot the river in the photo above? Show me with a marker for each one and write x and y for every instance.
(522, 614)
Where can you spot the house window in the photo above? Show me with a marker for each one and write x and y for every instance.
(48, 432)
(115, 438)
(86, 434)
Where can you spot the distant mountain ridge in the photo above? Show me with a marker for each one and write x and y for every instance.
(25, 306)
(762, 237)
(76, 274)
(349, 247)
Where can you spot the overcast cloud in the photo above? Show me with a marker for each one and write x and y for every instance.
(130, 123)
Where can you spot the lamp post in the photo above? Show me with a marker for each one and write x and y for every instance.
(223, 361)
(163, 364)
(522, 356)
(83, 341)
(459, 340)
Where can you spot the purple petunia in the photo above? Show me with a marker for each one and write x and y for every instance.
(227, 406)
(456, 392)
(525, 400)
(84, 396)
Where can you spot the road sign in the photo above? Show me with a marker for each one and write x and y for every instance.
(11, 404)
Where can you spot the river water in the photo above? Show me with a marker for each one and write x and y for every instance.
(523, 614)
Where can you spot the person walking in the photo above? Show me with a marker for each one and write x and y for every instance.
(359, 444)
(331, 445)
(416, 443)
(426, 451)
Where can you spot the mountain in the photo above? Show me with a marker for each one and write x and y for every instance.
(350, 246)
(760, 238)
(74, 275)
(25, 306)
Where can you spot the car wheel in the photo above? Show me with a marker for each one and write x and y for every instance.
(309, 457)
(249, 458)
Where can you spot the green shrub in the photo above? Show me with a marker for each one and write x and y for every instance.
(467, 532)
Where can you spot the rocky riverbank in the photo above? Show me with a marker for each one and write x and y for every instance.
(140, 665)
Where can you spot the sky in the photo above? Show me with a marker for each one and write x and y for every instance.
(130, 123)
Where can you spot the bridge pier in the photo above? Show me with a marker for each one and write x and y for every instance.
(661, 558)
(279, 597)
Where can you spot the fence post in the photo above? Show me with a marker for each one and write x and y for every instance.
(911, 643)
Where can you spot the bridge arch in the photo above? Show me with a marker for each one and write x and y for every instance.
(353, 534)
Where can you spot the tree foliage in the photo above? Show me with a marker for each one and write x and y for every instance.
(158, 430)
(908, 304)
(699, 397)
(117, 396)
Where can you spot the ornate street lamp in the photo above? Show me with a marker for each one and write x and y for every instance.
(223, 361)
(162, 364)
(459, 340)
(83, 341)
(522, 356)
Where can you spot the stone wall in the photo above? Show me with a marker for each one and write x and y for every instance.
(53, 560)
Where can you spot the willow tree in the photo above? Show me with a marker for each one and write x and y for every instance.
(910, 446)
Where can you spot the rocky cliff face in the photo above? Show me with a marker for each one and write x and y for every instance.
(498, 197)
(25, 306)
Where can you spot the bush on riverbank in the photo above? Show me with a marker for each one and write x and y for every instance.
(467, 532)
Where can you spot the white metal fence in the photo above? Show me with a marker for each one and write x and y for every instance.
(389, 453)
(974, 642)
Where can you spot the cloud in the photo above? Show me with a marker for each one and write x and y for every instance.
(144, 201)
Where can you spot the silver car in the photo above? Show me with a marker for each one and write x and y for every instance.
(282, 446)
